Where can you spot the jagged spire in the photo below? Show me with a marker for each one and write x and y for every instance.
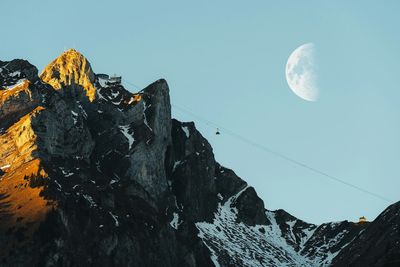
(70, 68)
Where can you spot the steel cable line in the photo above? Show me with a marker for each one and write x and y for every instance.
(275, 153)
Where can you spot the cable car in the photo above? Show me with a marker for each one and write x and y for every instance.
(217, 132)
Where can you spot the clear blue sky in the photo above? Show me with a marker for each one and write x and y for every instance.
(225, 60)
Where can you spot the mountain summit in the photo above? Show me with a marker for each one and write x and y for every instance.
(70, 71)
(94, 175)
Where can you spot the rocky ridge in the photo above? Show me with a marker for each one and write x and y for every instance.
(94, 175)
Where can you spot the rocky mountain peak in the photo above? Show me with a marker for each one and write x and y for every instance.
(17, 69)
(92, 174)
(378, 243)
(71, 71)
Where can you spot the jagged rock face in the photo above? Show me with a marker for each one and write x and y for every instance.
(95, 169)
(148, 155)
(19, 92)
(22, 206)
(377, 245)
(93, 175)
(70, 73)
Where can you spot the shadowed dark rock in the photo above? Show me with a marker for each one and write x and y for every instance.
(94, 175)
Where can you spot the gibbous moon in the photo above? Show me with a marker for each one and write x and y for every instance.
(300, 72)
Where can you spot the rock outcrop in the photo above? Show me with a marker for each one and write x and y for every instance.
(72, 74)
(377, 245)
(94, 175)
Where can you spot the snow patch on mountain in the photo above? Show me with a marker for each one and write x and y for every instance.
(259, 245)
(74, 117)
(186, 130)
(5, 167)
(175, 221)
(115, 218)
(125, 131)
(16, 84)
(145, 107)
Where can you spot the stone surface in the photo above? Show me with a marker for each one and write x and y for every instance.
(377, 245)
(70, 73)
(94, 175)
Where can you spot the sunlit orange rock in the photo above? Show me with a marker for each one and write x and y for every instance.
(69, 69)
(22, 207)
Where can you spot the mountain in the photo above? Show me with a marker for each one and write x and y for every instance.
(94, 175)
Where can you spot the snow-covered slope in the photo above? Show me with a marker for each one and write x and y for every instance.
(233, 242)
(277, 243)
(94, 175)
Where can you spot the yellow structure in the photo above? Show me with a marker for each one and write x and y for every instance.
(362, 219)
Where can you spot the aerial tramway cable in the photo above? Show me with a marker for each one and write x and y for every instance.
(272, 152)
